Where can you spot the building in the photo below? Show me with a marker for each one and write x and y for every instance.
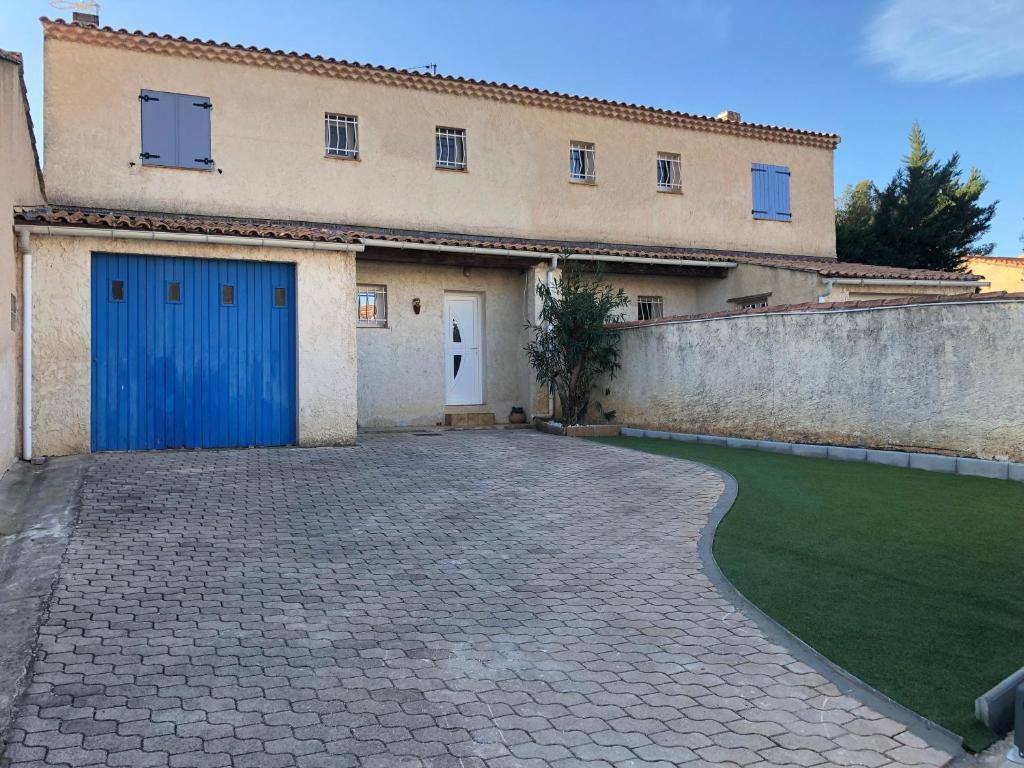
(20, 184)
(242, 246)
(1002, 273)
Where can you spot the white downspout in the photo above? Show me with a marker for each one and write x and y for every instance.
(25, 243)
(551, 286)
(828, 292)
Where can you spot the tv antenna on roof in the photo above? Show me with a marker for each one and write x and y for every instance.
(431, 67)
(85, 12)
(82, 6)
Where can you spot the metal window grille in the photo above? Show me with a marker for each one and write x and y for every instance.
(341, 136)
(649, 308)
(372, 306)
(754, 304)
(582, 162)
(670, 173)
(451, 148)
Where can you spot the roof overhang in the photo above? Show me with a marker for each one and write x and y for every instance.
(185, 237)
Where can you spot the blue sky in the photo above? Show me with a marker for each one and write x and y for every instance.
(864, 69)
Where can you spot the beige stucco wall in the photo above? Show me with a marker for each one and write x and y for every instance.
(401, 367)
(62, 345)
(1004, 274)
(854, 292)
(401, 374)
(268, 139)
(679, 294)
(786, 286)
(19, 185)
(916, 377)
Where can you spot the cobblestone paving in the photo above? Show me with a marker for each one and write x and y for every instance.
(471, 599)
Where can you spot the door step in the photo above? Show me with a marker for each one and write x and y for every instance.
(469, 420)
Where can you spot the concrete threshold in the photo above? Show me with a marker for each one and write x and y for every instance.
(931, 462)
(37, 509)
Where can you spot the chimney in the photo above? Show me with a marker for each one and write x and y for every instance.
(729, 116)
(86, 19)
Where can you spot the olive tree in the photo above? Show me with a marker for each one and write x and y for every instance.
(572, 347)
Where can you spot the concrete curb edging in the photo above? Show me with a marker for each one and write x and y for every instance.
(934, 734)
(931, 462)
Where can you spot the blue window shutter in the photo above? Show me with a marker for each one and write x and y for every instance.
(193, 121)
(761, 207)
(780, 184)
(770, 192)
(159, 128)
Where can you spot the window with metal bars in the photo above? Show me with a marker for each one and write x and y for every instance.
(649, 307)
(582, 165)
(670, 172)
(341, 136)
(756, 301)
(372, 306)
(451, 148)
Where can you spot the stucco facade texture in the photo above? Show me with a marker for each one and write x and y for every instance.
(62, 344)
(1004, 274)
(268, 141)
(19, 185)
(914, 377)
(401, 367)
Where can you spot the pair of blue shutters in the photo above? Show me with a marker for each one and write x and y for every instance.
(770, 192)
(176, 130)
(192, 353)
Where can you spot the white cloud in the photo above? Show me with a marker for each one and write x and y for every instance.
(951, 40)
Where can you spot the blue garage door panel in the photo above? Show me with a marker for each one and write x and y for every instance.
(191, 353)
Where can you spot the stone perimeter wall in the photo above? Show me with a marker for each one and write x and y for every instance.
(943, 378)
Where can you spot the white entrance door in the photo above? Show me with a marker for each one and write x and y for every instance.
(462, 369)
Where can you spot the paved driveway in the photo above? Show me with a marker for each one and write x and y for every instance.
(469, 599)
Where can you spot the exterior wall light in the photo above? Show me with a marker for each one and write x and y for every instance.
(416, 306)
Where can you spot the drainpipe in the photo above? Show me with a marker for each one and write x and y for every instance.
(551, 286)
(828, 292)
(25, 245)
(551, 272)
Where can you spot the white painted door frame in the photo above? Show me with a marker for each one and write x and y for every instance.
(463, 349)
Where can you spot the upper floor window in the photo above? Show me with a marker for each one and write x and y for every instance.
(670, 172)
(770, 190)
(650, 308)
(341, 136)
(451, 148)
(582, 162)
(176, 130)
(372, 306)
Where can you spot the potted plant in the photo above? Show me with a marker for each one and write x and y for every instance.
(572, 347)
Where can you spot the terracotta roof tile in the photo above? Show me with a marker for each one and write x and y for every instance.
(351, 233)
(997, 296)
(181, 223)
(211, 49)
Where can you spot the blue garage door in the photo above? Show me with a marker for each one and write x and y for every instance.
(191, 353)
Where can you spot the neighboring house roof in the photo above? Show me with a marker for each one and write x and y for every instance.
(346, 233)
(304, 62)
(15, 58)
(905, 301)
(1006, 261)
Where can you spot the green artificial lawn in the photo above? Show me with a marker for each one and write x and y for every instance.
(910, 580)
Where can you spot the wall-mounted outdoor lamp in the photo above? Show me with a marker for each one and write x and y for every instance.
(416, 306)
